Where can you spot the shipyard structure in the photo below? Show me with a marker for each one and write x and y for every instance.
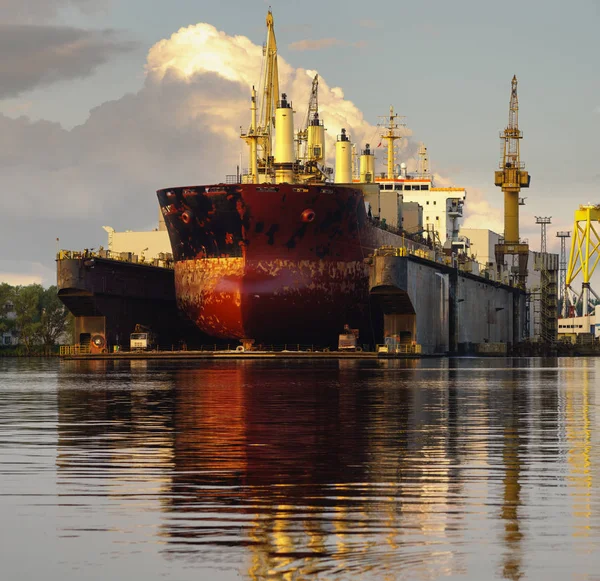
(292, 251)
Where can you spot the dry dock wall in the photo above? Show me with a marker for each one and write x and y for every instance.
(108, 298)
(443, 309)
(485, 313)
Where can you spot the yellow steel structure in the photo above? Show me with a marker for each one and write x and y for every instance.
(512, 175)
(511, 178)
(585, 251)
(311, 142)
(391, 134)
(259, 136)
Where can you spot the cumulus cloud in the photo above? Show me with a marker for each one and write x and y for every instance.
(198, 50)
(479, 213)
(34, 56)
(181, 128)
(42, 10)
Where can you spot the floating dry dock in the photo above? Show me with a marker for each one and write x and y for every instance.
(212, 355)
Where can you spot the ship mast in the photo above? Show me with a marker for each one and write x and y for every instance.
(391, 134)
(260, 135)
(423, 162)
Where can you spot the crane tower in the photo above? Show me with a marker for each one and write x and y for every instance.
(511, 178)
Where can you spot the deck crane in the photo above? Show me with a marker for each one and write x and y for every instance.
(311, 139)
(313, 103)
(511, 177)
(260, 134)
(313, 112)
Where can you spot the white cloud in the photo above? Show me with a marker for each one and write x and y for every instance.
(479, 213)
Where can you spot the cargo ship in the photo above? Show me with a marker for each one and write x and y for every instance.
(281, 254)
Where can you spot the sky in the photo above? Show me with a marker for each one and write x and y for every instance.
(102, 102)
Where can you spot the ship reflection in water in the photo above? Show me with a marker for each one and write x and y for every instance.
(475, 469)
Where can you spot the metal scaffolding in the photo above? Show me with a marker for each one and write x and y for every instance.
(562, 269)
(543, 222)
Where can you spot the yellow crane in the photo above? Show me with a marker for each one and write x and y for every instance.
(511, 177)
(259, 136)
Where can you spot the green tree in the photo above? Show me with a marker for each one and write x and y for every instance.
(7, 293)
(53, 317)
(27, 300)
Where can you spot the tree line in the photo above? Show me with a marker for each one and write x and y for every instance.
(33, 314)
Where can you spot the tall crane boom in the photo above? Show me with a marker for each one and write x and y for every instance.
(313, 102)
(512, 135)
(312, 116)
(270, 87)
(260, 134)
(311, 140)
(512, 175)
(511, 178)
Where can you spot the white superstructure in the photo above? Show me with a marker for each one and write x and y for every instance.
(146, 245)
(442, 207)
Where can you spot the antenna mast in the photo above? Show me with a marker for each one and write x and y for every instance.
(391, 134)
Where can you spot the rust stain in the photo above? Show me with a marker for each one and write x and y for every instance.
(223, 295)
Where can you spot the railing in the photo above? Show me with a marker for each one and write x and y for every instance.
(66, 350)
(284, 347)
(400, 348)
(164, 259)
(462, 262)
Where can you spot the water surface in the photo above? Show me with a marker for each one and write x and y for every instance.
(434, 469)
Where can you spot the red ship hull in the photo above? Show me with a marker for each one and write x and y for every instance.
(275, 263)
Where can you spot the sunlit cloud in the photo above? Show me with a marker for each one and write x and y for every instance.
(480, 213)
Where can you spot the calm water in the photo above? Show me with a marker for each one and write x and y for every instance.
(460, 469)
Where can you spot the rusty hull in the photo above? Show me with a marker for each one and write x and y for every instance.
(275, 263)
